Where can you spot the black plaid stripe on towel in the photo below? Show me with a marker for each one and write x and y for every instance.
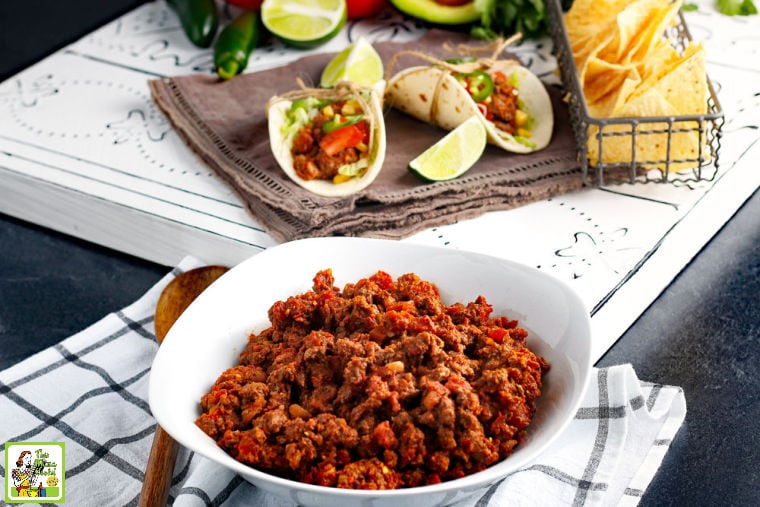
(90, 391)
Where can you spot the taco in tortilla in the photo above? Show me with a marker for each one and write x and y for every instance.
(329, 141)
(512, 101)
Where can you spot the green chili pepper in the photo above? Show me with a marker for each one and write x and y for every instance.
(336, 123)
(199, 19)
(235, 43)
(464, 59)
(478, 83)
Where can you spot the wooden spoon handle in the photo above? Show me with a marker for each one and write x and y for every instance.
(160, 470)
(174, 299)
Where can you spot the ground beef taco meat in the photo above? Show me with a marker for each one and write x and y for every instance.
(378, 386)
(503, 106)
(336, 137)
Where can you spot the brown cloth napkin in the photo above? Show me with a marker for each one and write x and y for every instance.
(224, 122)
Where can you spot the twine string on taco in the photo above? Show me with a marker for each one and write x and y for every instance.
(495, 48)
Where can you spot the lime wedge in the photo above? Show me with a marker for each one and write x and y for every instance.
(453, 154)
(304, 23)
(358, 63)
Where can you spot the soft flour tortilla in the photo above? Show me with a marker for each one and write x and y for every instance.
(281, 145)
(433, 95)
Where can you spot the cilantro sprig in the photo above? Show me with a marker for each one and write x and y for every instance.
(506, 17)
(736, 7)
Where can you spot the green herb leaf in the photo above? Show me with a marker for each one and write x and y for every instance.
(689, 7)
(736, 7)
(507, 17)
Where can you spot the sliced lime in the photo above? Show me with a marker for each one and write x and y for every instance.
(358, 63)
(453, 154)
(304, 23)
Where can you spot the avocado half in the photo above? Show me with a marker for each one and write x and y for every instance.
(433, 12)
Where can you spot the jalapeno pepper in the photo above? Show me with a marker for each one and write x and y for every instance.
(235, 43)
(341, 139)
(478, 83)
(199, 19)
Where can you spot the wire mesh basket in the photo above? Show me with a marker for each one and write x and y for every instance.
(594, 134)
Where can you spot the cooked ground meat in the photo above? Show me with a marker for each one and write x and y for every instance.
(503, 104)
(310, 161)
(378, 386)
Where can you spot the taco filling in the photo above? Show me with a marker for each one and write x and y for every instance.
(331, 141)
(498, 100)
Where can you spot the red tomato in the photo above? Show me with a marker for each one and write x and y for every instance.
(364, 8)
(252, 5)
(363, 126)
(498, 334)
(338, 140)
(483, 108)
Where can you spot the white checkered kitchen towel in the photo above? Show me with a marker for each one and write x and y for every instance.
(90, 391)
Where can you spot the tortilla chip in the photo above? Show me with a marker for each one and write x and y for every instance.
(682, 81)
(642, 27)
(629, 69)
(606, 105)
(590, 46)
(591, 16)
(651, 138)
(662, 57)
(602, 78)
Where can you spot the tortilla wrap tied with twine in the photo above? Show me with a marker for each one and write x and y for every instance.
(433, 94)
(281, 137)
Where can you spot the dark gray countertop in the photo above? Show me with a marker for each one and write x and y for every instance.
(702, 333)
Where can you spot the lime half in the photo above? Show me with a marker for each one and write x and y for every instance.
(358, 63)
(453, 154)
(304, 23)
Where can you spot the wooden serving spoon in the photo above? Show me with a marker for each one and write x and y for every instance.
(174, 299)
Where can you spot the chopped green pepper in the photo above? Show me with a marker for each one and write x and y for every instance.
(235, 43)
(338, 122)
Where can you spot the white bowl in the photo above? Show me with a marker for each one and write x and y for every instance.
(211, 333)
